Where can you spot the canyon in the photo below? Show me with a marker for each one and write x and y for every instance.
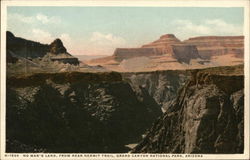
(205, 117)
(191, 111)
(168, 96)
(168, 52)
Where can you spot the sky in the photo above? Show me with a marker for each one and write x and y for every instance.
(99, 30)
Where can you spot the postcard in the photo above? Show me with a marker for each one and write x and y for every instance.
(125, 79)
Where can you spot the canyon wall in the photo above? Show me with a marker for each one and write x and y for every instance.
(25, 48)
(126, 53)
(75, 112)
(198, 47)
(207, 116)
(203, 112)
(218, 45)
(163, 86)
(167, 44)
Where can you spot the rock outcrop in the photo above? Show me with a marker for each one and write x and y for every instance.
(25, 48)
(209, 46)
(184, 53)
(126, 53)
(164, 41)
(163, 86)
(56, 47)
(167, 45)
(76, 112)
(169, 53)
(22, 48)
(206, 116)
(56, 112)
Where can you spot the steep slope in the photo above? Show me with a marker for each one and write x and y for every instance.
(75, 112)
(25, 48)
(206, 116)
(163, 86)
(209, 46)
(126, 53)
(22, 48)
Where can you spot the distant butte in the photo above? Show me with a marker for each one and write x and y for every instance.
(209, 46)
(168, 52)
(167, 44)
(198, 47)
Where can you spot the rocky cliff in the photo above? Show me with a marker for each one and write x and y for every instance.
(218, 45)
(203, 111)
(21, 48)
(167, 45)
(76, 112)
(206, 116)
(25, 48)
(163, 86)
(126, 53)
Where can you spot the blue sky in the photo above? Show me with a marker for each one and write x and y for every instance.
(99, 30)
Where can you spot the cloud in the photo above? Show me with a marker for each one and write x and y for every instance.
(65, 37)
(186, 28)
(223, 27)
(45, 37)
(68, 42)
(38, 18)
(41, 36)
(102, 44)
(45, 19)
(106, 39)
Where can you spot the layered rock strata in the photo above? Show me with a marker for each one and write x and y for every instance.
(209, 46)
(167, 44)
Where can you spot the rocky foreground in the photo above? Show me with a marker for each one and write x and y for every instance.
(104, 112)
(76, 112)
(207, 116)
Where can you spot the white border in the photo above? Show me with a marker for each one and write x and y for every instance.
(142, 3)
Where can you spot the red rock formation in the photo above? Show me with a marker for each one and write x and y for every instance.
(163, 42)
(169, 52)
(167, 44)
(126, 53)
(218, 45)
(184, 53)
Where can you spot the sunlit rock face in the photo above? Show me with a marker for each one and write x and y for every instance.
(167, 45)
(168, 53)
(209, 46)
